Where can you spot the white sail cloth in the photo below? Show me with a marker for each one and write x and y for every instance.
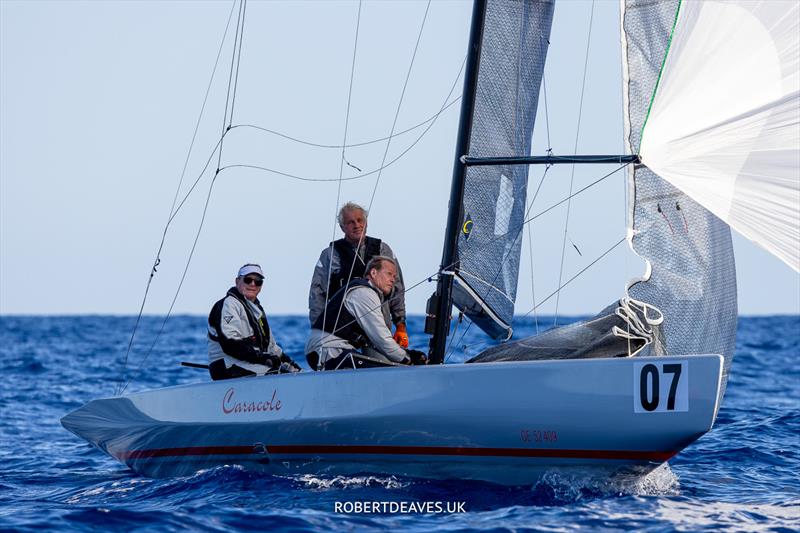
(724, 123)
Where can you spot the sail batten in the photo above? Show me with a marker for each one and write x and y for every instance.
(512, 56)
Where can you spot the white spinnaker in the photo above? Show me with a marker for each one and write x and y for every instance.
(724, 125)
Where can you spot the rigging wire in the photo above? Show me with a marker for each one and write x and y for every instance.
(576, 193)
(570, 280)
(341, 172)
(400, 102)
(140, 367)
(546, 299)
(530, 227)
(360, 176)
(430, 122)
(573, 278)
(172, 209)
(236, 44)
(529, 220)
(574, 150)
(383, 161)
(488, 243)
(238, 61)
(236, 54)
(352, 145)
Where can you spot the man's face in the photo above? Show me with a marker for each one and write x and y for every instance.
(249, 286)
(354, 224)
(383, 279)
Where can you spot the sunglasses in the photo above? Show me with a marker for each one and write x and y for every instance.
(253, 281)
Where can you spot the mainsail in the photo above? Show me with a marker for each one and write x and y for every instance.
(512, 56)
(724, 125)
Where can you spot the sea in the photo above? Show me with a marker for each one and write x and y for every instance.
(742, 476)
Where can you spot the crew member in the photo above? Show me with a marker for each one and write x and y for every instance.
(346, 259)
(352, 332)
(240, 342)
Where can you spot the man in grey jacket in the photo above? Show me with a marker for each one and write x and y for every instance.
(345, 259)
(352, 332)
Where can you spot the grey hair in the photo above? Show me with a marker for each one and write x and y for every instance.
(350, 206)
(377, 263)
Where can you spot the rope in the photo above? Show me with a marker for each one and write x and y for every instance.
(638, 321)
(172, 209)
(572, 175)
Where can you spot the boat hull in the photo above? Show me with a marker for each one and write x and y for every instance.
(501, 422)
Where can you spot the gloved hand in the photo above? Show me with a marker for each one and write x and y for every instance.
(417, 357)
(401, 335)
(288, 365)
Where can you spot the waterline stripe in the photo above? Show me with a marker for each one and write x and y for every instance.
(620, 455)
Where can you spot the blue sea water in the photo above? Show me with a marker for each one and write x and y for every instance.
(744, 475)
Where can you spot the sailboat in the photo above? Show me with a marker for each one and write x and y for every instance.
(712, 129)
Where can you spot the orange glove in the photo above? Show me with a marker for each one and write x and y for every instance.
(401, 335)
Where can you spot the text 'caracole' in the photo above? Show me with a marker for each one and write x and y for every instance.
(230, 406)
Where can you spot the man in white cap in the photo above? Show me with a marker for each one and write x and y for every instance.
(240, 342)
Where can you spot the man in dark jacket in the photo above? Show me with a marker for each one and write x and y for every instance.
(240, 342)
(346, 259)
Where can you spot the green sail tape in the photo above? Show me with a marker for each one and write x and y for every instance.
(660, 72)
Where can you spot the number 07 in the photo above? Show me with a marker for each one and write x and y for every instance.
(654, 382)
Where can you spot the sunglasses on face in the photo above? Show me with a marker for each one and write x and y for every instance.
(253, 281)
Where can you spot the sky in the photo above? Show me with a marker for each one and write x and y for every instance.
(98, 106)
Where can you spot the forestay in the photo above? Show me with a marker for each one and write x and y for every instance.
(724, 126)
(512, 56)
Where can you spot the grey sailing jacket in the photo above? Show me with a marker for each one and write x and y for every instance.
(394, 309)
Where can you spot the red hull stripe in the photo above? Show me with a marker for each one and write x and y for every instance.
(622, 455)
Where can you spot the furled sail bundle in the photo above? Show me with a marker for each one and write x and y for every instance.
(512, 56)
(724, 123)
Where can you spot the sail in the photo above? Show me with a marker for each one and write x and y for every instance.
(512, 56)
(691, 276)
(724, 125)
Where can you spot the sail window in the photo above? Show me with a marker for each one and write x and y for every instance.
(504, 206)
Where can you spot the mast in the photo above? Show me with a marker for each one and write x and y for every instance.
(440, 304)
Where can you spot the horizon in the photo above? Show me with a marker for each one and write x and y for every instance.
(98, 102)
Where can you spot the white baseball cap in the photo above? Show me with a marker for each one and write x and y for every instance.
(250, 268)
